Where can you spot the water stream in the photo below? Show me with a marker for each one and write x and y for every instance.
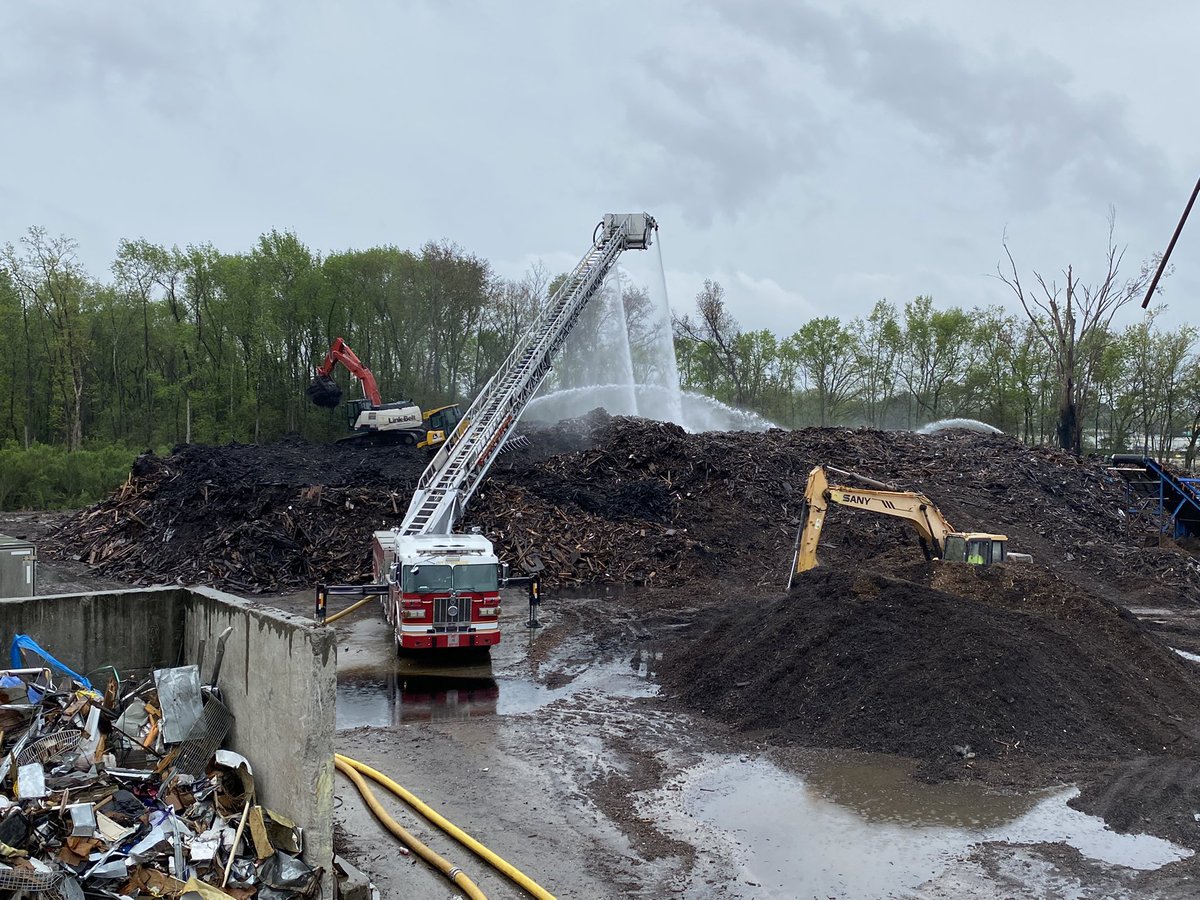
(693, 412)
(603, 365)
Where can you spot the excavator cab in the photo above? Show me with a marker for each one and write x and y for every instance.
(355, 408)
(976, 548)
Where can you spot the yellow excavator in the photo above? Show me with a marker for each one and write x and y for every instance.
(939, 540)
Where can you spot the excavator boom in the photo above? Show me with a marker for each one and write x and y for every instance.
(324, 390)
(934, 530)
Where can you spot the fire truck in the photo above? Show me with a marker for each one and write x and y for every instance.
(442, 592)
(441, 589)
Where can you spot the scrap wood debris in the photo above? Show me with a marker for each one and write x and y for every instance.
(602, 499)
(125, 792)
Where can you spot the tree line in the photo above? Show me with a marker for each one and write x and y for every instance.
(904, 366)
(200, 345)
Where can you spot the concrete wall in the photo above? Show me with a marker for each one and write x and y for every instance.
(278, 678)
(132, 630)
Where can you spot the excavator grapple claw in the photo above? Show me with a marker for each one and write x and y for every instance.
(324, 391)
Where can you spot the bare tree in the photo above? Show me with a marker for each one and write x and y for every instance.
(1071, 322)
(717, 331)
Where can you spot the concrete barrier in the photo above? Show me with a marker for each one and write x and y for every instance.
(278, 678)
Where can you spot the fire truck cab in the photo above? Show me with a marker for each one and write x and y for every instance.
(443, 589)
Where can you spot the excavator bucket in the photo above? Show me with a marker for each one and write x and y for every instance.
(324, 391)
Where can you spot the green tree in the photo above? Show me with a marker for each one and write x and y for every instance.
(935, 349)
(829, 364)
(877, 342)
(715, 333)
(50, 281)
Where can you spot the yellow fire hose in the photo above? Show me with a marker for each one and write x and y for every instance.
(453, 872)
(329, 620)
(346, 765)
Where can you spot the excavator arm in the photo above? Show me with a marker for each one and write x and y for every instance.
(324, 391)
(917, 509)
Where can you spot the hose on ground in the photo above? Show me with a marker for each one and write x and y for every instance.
(451, 871)
(513, 874)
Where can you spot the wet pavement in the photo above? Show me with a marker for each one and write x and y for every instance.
(377, 688)
(831, 826)
(399, 696)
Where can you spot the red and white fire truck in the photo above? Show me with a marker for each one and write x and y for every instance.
(440, 589)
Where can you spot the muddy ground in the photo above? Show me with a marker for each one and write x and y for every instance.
(565, 755)
(891, 728)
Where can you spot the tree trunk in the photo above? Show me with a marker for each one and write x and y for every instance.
(1067, 431)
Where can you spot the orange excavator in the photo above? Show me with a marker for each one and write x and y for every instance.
(372, 420)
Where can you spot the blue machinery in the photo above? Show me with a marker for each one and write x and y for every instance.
(1161, 492)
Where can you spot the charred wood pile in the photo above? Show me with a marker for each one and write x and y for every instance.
(600, 499)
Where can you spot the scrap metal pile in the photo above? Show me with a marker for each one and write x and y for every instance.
(124, 791)
(600, 499)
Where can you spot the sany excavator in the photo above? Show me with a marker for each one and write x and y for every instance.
(939, 540)
(441, 589)
(371, 419)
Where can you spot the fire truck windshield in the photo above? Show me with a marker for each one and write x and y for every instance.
(477, 578)
(431, 579)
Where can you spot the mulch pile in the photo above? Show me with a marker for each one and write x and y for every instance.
(601, 499)
(1034, 670)
(244, 517)
(959, 667)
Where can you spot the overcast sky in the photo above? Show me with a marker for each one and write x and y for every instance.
(813, 157)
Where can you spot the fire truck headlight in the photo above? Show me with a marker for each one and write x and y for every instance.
(489, 610)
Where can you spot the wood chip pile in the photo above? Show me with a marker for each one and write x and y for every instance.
(600, 499)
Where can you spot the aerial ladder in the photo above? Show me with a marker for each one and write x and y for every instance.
(462, 462)
(440, 589)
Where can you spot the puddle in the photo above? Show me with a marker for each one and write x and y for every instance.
(400, 694)
(869, 831)
(1194, 657)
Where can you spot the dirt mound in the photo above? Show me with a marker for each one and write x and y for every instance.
(736, 497)
(605, 498)
(1153, 793)
(1040, 677)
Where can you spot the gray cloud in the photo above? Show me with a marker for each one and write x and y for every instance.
(719, 127)
(1015, 110)
(804, 152)
(158, 56)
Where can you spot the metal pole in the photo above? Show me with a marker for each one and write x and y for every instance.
(534, 601)
(1162, 263)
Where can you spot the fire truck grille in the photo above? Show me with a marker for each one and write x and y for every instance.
(451, 610)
